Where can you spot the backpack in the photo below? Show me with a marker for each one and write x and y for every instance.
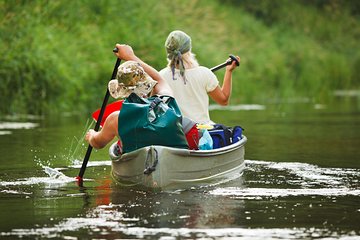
(223, 136)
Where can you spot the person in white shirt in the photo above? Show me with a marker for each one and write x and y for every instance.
(193, 84)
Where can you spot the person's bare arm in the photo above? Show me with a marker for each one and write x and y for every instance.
(222, 95)
(106, 134)
(125, 52)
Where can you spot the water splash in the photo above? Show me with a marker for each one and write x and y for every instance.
(55, 174)
(78, 144)
(55, 178)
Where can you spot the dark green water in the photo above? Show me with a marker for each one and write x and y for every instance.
(301, 181)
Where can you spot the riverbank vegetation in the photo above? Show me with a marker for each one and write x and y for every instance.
(57, 55)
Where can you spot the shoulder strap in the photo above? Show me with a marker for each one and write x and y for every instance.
(134, 98)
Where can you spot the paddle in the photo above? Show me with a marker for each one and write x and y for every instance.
(79, 178)
(115, 106)
(228, 62)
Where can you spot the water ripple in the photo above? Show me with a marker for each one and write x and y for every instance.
(244, 107)
(303, 174)
(102, 226)
(259, 193)
(17, 125)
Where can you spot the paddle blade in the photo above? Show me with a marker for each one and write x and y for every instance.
(79, 181)
(110, 108)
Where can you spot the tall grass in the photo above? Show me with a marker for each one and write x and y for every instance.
(56, 55)
(306, 48)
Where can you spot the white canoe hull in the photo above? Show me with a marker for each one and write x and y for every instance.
(175, 168)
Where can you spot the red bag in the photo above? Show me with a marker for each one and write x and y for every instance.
(110, 108)
(192, 137)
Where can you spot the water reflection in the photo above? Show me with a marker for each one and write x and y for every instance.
(241, 107)
(271, 200)
(305, 186)
(17, 125)
(5, 127)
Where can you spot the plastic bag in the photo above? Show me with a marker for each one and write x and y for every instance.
(205, 142)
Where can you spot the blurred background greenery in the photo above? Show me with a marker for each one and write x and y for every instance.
(56, 56)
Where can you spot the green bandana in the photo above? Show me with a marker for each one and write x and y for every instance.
(177, 44)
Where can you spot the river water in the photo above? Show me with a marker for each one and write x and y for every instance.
(301, 181)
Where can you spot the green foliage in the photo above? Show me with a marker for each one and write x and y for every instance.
(56, 55)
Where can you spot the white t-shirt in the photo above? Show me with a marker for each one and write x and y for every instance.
(192, 96)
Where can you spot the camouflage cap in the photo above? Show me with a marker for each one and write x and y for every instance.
(131, 77)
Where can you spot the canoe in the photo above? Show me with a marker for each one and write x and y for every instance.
(160, 167)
